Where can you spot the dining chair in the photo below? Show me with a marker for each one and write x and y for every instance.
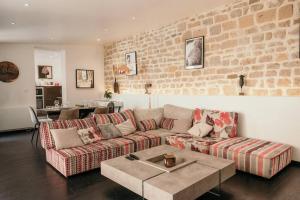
(101, 110)
(69, 114)
(37, 122)
(111, 107)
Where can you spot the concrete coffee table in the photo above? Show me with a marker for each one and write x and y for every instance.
(198, 174)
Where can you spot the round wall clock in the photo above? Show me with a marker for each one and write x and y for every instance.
(9, 72)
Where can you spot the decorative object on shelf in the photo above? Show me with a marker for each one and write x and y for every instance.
(116, 87)
(9, 72)
(108, 94)
(45, 72)
(116, 84)
(131, 63)
(194, 53)
(241, 84)
(169, 160)
(84, 78)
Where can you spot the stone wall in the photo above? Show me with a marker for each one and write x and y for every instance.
(257, 38)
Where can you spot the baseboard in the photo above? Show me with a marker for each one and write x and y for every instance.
(16, 130)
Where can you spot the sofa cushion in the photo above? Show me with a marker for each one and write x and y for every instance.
(46, 137)
(126, 127)
(109, 131)
(144, 114)
(143, 140)
(259, 157)
(181, 126)
(224, 123)
(162, 133)
(187, 141)
(147, 124)
(176, 112)
(80, 159)
(115, 118)
(88, 135)
(66, 138)
(167, 123)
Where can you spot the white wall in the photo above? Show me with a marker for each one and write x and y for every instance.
(14, 96)
(269, 118)
(21, 93)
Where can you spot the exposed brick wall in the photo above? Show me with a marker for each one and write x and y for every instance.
(259, 38)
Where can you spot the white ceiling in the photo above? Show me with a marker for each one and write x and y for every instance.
(83, 21)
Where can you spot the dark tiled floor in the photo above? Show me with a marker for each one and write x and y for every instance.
(24, 174)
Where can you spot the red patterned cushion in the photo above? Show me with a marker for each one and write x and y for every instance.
(224, 123)
(167, 123)
(148, 124)
(46, 137)
(115, 118)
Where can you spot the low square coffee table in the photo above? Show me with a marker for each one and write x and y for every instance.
(196, 174)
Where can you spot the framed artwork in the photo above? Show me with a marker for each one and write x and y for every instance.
(45, 72)
(84, 78)
(194, 53)
(130, 60)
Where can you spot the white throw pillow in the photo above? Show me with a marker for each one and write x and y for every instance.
(126, 127)
(200, 129)
(66, 138)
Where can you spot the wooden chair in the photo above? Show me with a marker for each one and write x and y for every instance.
(111, 107)
(37, 122)
(69, 114)
(101, 110)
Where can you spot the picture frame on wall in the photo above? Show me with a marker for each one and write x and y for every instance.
(45, 72)
(194, 53)
(131, 63)
(84, 78)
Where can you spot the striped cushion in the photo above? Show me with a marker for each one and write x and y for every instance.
(147, 125)
(167, 123)
(80, 159)
(255, 156)
(115, 118)
(194, 143)
(46, 137)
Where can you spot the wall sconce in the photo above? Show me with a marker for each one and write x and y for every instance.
(148, 92)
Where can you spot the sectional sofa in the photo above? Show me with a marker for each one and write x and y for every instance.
(262, 158)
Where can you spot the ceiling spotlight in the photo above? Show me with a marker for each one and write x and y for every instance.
(98, 39)
(12, 23)
(26, 4)
(133, 18)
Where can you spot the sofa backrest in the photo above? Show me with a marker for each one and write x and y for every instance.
(176, 112)
(224, 123)
(115, 118)
(46, 137)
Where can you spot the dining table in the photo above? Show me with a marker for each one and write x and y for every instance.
(53, 112)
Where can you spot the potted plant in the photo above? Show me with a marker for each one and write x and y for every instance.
(108, 94)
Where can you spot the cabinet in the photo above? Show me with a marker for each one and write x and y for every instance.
(46, 95)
